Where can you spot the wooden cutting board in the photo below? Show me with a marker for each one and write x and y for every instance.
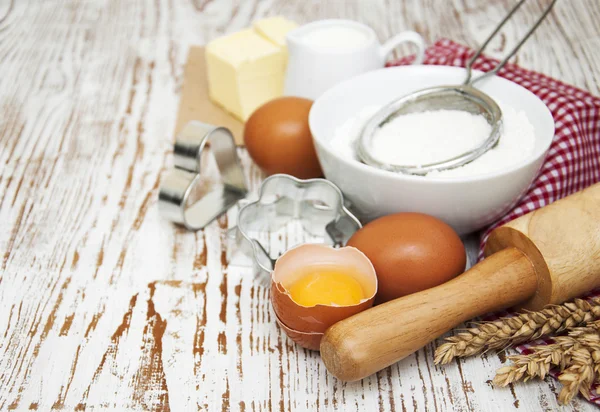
(195, 104)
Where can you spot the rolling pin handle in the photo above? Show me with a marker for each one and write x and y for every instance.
(374, 339)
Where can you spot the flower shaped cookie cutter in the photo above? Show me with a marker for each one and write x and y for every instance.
(190, 199)
(317, 203)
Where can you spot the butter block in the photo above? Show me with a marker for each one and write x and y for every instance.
(245, 70)
(274, 29)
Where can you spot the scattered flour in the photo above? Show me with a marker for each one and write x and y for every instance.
(421, 138)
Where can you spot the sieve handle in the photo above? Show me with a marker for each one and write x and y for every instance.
(469, 80)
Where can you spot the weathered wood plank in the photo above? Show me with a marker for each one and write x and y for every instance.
(103, 304)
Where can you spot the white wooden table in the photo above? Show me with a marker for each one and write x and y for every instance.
(103, 304)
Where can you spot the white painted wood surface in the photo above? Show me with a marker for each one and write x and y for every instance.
(103, 304)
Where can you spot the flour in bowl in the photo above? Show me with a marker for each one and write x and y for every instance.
(427, 137)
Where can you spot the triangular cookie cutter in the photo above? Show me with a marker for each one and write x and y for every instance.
(176, 190)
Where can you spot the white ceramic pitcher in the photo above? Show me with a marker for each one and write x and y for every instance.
(312, 69)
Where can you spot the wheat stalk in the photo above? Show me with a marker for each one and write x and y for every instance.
(578, 377)
(539, 362)
(587, 329)
(576, 355)
(523, 327)
(589, 336)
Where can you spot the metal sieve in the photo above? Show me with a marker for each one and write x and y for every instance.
(454, 97)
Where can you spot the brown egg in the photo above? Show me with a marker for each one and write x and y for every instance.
(410, 252)
(305, 325)
(278, 138)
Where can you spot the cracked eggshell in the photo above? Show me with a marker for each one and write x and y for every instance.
(308, 340)
(299, 321)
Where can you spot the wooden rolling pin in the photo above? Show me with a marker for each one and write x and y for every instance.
(545, 257)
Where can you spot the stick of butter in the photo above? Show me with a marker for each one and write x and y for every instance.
(275, 29)
(246, 69)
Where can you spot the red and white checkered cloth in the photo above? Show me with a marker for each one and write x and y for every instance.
(573, 161)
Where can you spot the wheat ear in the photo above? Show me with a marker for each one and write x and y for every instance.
(523, 327)
(576, 355)
(538, 362)
(578, 377)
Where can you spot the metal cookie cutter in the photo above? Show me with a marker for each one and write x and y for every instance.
(180, 187)
(317, 203)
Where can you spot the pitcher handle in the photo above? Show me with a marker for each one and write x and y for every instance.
(405, 37)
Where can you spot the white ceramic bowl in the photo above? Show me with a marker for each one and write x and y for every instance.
(466, 203)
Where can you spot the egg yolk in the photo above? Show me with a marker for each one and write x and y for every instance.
(326, 287)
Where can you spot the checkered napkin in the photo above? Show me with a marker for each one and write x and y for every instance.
(573, 161)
